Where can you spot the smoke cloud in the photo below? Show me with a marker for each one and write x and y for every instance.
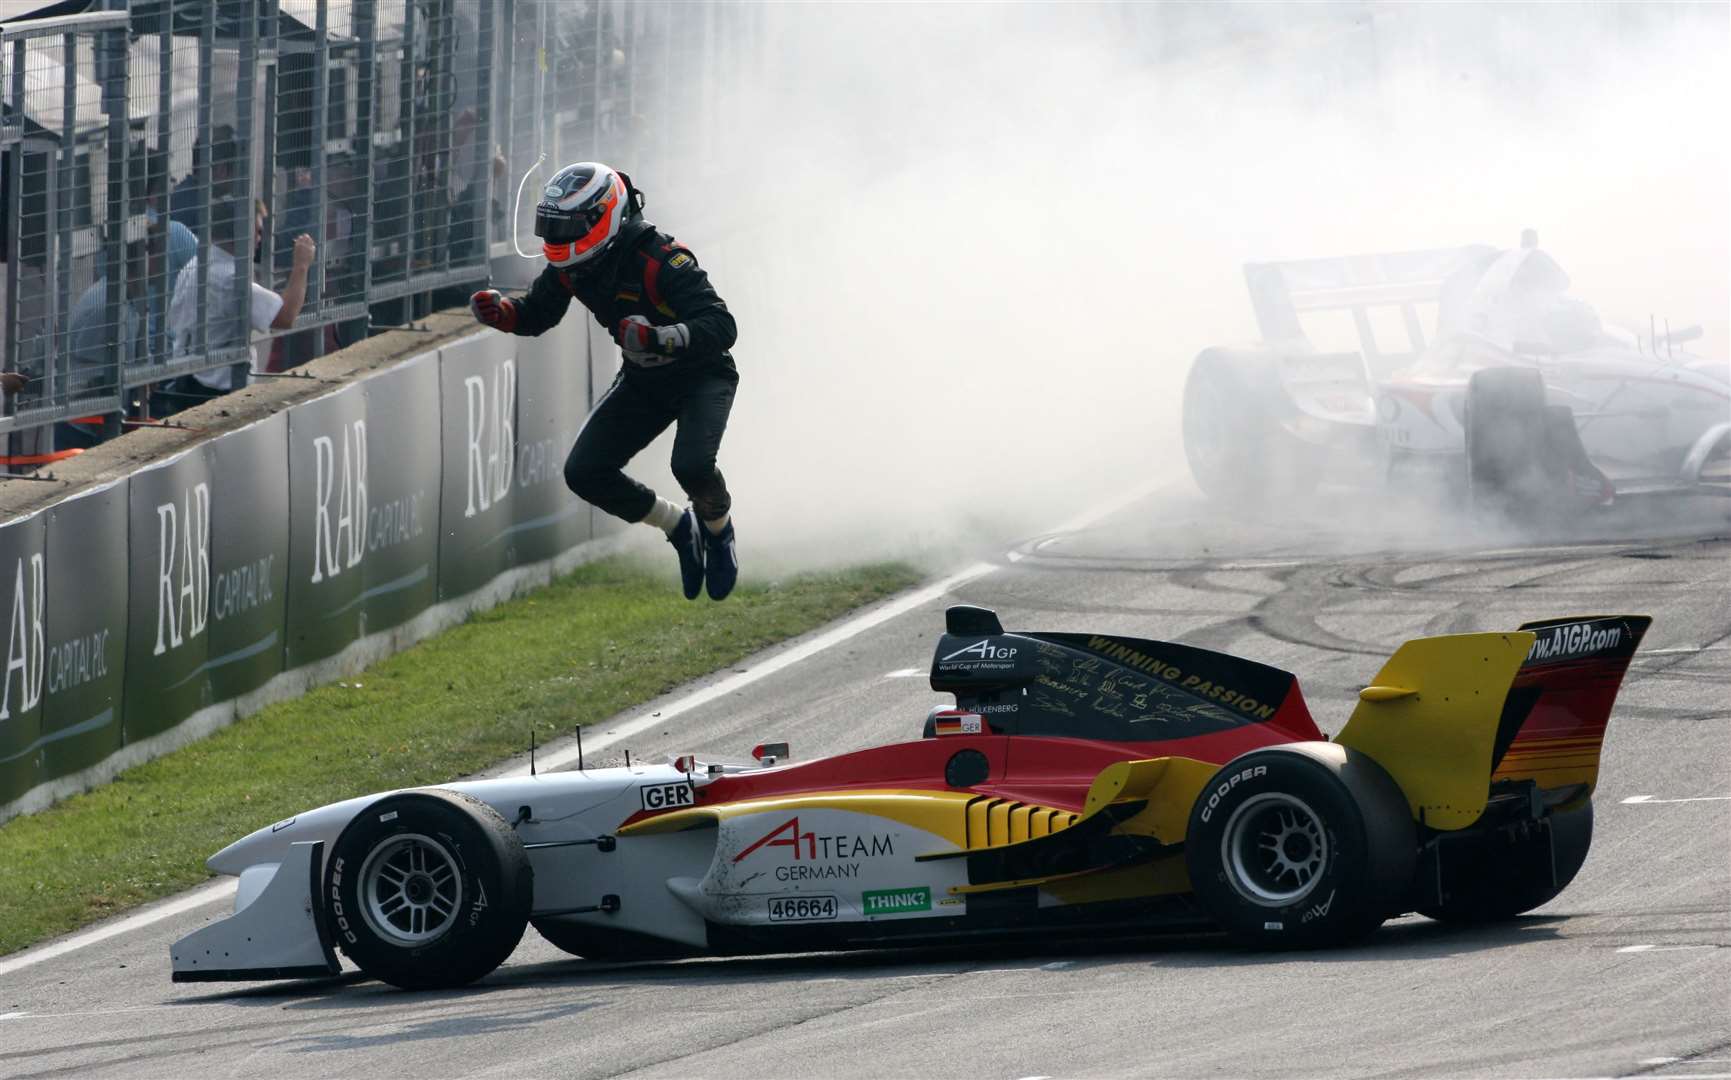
(973, 249)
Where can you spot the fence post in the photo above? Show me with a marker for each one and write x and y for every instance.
(201, 172)
(410, 60)
(366, 93)
(110, 49)
(62, 203)
(164, 148)
(317, 297)
(14, 162)
(270, 46)
(481, 148)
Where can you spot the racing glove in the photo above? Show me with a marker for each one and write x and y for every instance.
(492, 309)
(650, 346)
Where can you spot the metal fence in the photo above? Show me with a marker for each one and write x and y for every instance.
(147, 152)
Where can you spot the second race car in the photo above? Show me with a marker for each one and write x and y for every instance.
(1469, 366)
(1081, 783)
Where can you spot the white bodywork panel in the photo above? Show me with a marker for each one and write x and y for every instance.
(752, 867)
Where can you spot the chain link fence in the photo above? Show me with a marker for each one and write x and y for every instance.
(360, 161)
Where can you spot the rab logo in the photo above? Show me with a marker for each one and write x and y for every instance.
(331, 553)
(492, 448)
(25, 650)
(981, 650)
(184, 536)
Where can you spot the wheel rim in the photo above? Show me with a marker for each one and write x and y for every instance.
(411, 888)
(1274, 849)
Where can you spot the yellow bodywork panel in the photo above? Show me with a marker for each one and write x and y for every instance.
(941, 813)
(1169, 785)
(1430, 718)
(1164, 876)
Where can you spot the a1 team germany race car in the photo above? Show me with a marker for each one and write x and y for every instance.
(1468, 367)
(1081, 783)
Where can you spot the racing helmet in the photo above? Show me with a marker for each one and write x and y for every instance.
(580, 213)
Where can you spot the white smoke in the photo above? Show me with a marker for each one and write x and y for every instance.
(973, 249)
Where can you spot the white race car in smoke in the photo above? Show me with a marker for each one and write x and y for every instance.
(1473, 365)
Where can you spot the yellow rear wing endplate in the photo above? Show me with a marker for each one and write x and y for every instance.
(1430, 719)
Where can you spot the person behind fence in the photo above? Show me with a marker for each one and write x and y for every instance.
(186, 203)
(93, 369)
(265, 309)
(646, 289)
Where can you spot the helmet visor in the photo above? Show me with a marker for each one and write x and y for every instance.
(558, 226)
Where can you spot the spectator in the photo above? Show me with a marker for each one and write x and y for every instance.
(266, 310)
(92, 369)
(186, 205)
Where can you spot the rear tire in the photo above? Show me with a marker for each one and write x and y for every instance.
(1504, 873)
(1524, 459)
(1303, 845)
(1235, 448)
(428, 889)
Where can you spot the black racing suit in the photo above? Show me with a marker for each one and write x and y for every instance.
(647, 273)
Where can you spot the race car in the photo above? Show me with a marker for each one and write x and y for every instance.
(1470, 370)
(1080, 783)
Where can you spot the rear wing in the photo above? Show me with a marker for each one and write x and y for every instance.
(1281, 291)
(1554, 718)
(1448, 716)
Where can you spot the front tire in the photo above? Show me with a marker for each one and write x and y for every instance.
(428, 889)
(1524, 458)
(1302, 845)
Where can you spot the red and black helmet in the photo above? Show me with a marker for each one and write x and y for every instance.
(581, 212)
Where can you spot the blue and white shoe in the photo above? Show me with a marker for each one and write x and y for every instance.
(723, 562)
(688, 542)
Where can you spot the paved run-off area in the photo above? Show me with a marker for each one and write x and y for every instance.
(1628, 972)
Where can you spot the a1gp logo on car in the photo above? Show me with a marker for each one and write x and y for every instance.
(1227, 785)
(896, 901)
(665, 796)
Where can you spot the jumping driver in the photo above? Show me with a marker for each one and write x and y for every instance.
(646, 289)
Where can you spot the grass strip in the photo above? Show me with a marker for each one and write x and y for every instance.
(606, 637)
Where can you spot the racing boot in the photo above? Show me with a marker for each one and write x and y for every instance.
(723, 562)
(689, 544)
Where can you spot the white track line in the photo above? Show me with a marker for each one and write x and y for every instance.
(852, 628)
(844, 631)
(859, 624)
(1664, 948)
(1645, 800)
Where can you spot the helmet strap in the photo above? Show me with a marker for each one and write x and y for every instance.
(633, 198)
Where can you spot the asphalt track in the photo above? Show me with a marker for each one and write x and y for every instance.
(1627, 973)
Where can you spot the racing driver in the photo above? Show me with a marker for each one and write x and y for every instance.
(646, 289)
